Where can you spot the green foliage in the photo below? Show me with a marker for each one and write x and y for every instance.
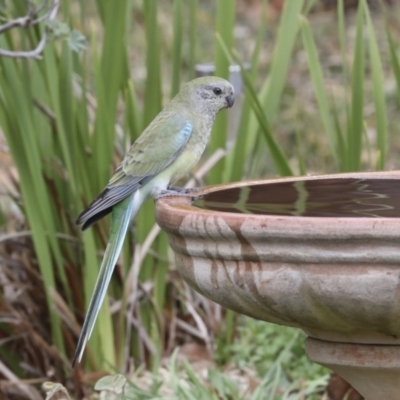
(263, 345)
(283, 372)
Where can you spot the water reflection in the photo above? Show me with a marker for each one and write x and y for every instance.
(314, 198)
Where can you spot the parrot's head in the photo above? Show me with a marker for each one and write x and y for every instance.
(208, 94)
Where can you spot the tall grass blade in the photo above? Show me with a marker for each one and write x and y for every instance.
(153, 98)
(193, 4)
(342, 142)
(342, 38)
(225, 21)
(110, 77)
(176, 46)
(357, 95)
(317, 78)
(378, 87)
(133, 116)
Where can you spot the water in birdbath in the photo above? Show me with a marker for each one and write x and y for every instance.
(347, 197)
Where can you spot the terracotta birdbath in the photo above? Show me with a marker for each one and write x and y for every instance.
(318, 253)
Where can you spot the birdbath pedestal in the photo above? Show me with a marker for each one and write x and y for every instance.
(318, 253)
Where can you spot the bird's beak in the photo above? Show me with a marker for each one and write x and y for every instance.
(230, 100)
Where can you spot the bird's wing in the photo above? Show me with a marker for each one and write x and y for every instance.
(153, 151)
(158, 146)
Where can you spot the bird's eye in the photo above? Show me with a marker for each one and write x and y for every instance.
(217, 91)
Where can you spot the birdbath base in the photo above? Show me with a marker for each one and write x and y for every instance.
(372, 369)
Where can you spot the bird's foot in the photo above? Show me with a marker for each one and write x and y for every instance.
(181, 192)
(184, 190)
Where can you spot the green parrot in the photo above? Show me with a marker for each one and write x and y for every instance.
(167, 149)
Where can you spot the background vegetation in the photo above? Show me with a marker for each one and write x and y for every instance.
(321, 94)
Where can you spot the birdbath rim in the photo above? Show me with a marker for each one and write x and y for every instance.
(179, 206)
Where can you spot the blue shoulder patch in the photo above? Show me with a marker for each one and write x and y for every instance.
(186, 131)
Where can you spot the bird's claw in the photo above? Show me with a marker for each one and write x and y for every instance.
(183, 189)
(178, 192)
